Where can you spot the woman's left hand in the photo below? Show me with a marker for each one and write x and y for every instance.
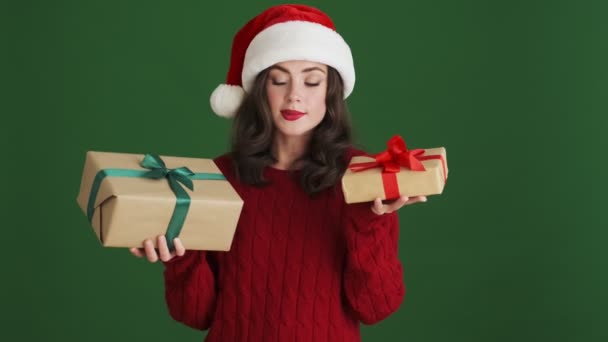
(380, 208)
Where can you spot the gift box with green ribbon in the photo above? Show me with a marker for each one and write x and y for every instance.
(395, 172)
(128, 198)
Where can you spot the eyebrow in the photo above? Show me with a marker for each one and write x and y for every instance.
(304, 70)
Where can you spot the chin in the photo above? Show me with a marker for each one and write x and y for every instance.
(294, 131)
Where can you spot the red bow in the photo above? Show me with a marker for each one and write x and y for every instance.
(395, 156)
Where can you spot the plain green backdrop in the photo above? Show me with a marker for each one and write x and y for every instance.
(513, 250)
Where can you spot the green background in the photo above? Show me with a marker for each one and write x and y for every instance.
(513, 250)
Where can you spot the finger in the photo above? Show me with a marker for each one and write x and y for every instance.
(150, 252)
(378, 207)
(397, 204)
(137, 252)
(416, 199)
(163, 249)
(180, 250)
(421, 199)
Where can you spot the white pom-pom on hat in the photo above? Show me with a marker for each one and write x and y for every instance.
(226, 99)
(281, 33)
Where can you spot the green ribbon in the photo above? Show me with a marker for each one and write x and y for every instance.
(158, 170)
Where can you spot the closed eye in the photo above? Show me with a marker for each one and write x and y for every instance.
(308, 84)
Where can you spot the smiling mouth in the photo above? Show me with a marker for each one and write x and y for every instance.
(291, 115)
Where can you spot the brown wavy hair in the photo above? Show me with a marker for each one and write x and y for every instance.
(253, 130)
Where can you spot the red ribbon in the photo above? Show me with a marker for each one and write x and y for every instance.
(392, 159)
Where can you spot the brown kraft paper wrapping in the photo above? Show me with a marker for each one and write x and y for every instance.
(367, 185)
(130, 210)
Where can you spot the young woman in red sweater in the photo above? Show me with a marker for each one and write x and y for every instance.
(303, 265)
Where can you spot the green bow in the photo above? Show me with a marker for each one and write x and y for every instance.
(158, 170)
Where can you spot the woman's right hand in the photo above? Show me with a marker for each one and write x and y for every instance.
(163, 249)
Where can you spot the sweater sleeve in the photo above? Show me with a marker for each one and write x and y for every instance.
(190, 289)
(373, 277)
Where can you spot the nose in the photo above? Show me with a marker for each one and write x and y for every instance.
(294, 94)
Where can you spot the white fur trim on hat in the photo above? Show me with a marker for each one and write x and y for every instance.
(298, 40)
(226, 99)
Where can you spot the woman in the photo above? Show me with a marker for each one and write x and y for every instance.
(303, 264)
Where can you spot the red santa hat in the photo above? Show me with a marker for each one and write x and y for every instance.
(281, 33)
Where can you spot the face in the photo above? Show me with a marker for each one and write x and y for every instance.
(296, 95)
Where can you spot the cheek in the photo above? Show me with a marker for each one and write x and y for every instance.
(319, 102)
(274, 98)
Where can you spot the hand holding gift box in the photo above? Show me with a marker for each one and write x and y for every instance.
(395, 172)
(131, 197)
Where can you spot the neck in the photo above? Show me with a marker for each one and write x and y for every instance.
(288, 149)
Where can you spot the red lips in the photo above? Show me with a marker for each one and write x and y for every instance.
(291, 115)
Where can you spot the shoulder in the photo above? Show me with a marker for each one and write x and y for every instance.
(354, 152)
(225, 163)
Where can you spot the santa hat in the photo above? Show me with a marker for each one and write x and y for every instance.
(281, 33)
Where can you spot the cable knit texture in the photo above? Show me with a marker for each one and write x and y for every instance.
(299, 269)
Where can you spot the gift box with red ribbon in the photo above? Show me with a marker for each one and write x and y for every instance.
(395, 172)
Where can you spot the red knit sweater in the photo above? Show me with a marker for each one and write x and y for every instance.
(299, 269)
